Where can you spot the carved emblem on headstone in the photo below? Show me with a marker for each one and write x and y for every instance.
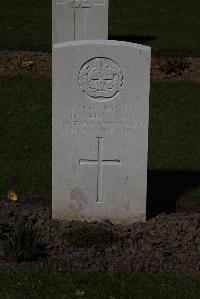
(101, 78)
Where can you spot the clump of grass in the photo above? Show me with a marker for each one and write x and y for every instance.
(88, 235)
(176, 66)
(189, 198)
(24, 244)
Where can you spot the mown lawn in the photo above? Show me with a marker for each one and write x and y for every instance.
(25, 24)
(174, 139)
(170, 27)
(23, 283)
(25, 148)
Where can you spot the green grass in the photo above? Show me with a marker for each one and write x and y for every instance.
(25, 149)
(25, 24)
(89, 235)
(23, 283)
(174, 140)
(189, 197)
(170, 27)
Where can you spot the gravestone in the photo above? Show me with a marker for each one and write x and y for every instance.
(100, 130)
(79, 20)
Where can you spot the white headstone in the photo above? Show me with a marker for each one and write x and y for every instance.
(100, 130)
(79, 20)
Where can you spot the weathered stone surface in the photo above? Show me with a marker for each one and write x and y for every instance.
(100, 130)
(79, 20)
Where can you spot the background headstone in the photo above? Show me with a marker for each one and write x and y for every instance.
(79, 20)
(100, 130)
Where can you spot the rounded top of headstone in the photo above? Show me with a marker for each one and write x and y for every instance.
(102, 42)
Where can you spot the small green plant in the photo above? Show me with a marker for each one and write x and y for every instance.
(89, 235)
(176, 66)
(24, 244)
(26, 63)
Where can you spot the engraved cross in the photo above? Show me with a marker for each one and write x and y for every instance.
(80, 9)
(100, 162)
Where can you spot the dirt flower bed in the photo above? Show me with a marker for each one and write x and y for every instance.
(175, 68)
(25, 62)
(30, 62)
(165, 243)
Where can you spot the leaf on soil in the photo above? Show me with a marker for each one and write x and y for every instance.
(79, 293)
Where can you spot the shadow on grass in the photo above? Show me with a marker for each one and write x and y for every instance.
(165, 187)
(138, 39)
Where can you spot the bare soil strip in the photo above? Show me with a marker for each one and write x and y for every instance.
(32, 62)
(25, 62)
(167, 243)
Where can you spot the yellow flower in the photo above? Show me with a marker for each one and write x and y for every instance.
(12, 195)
